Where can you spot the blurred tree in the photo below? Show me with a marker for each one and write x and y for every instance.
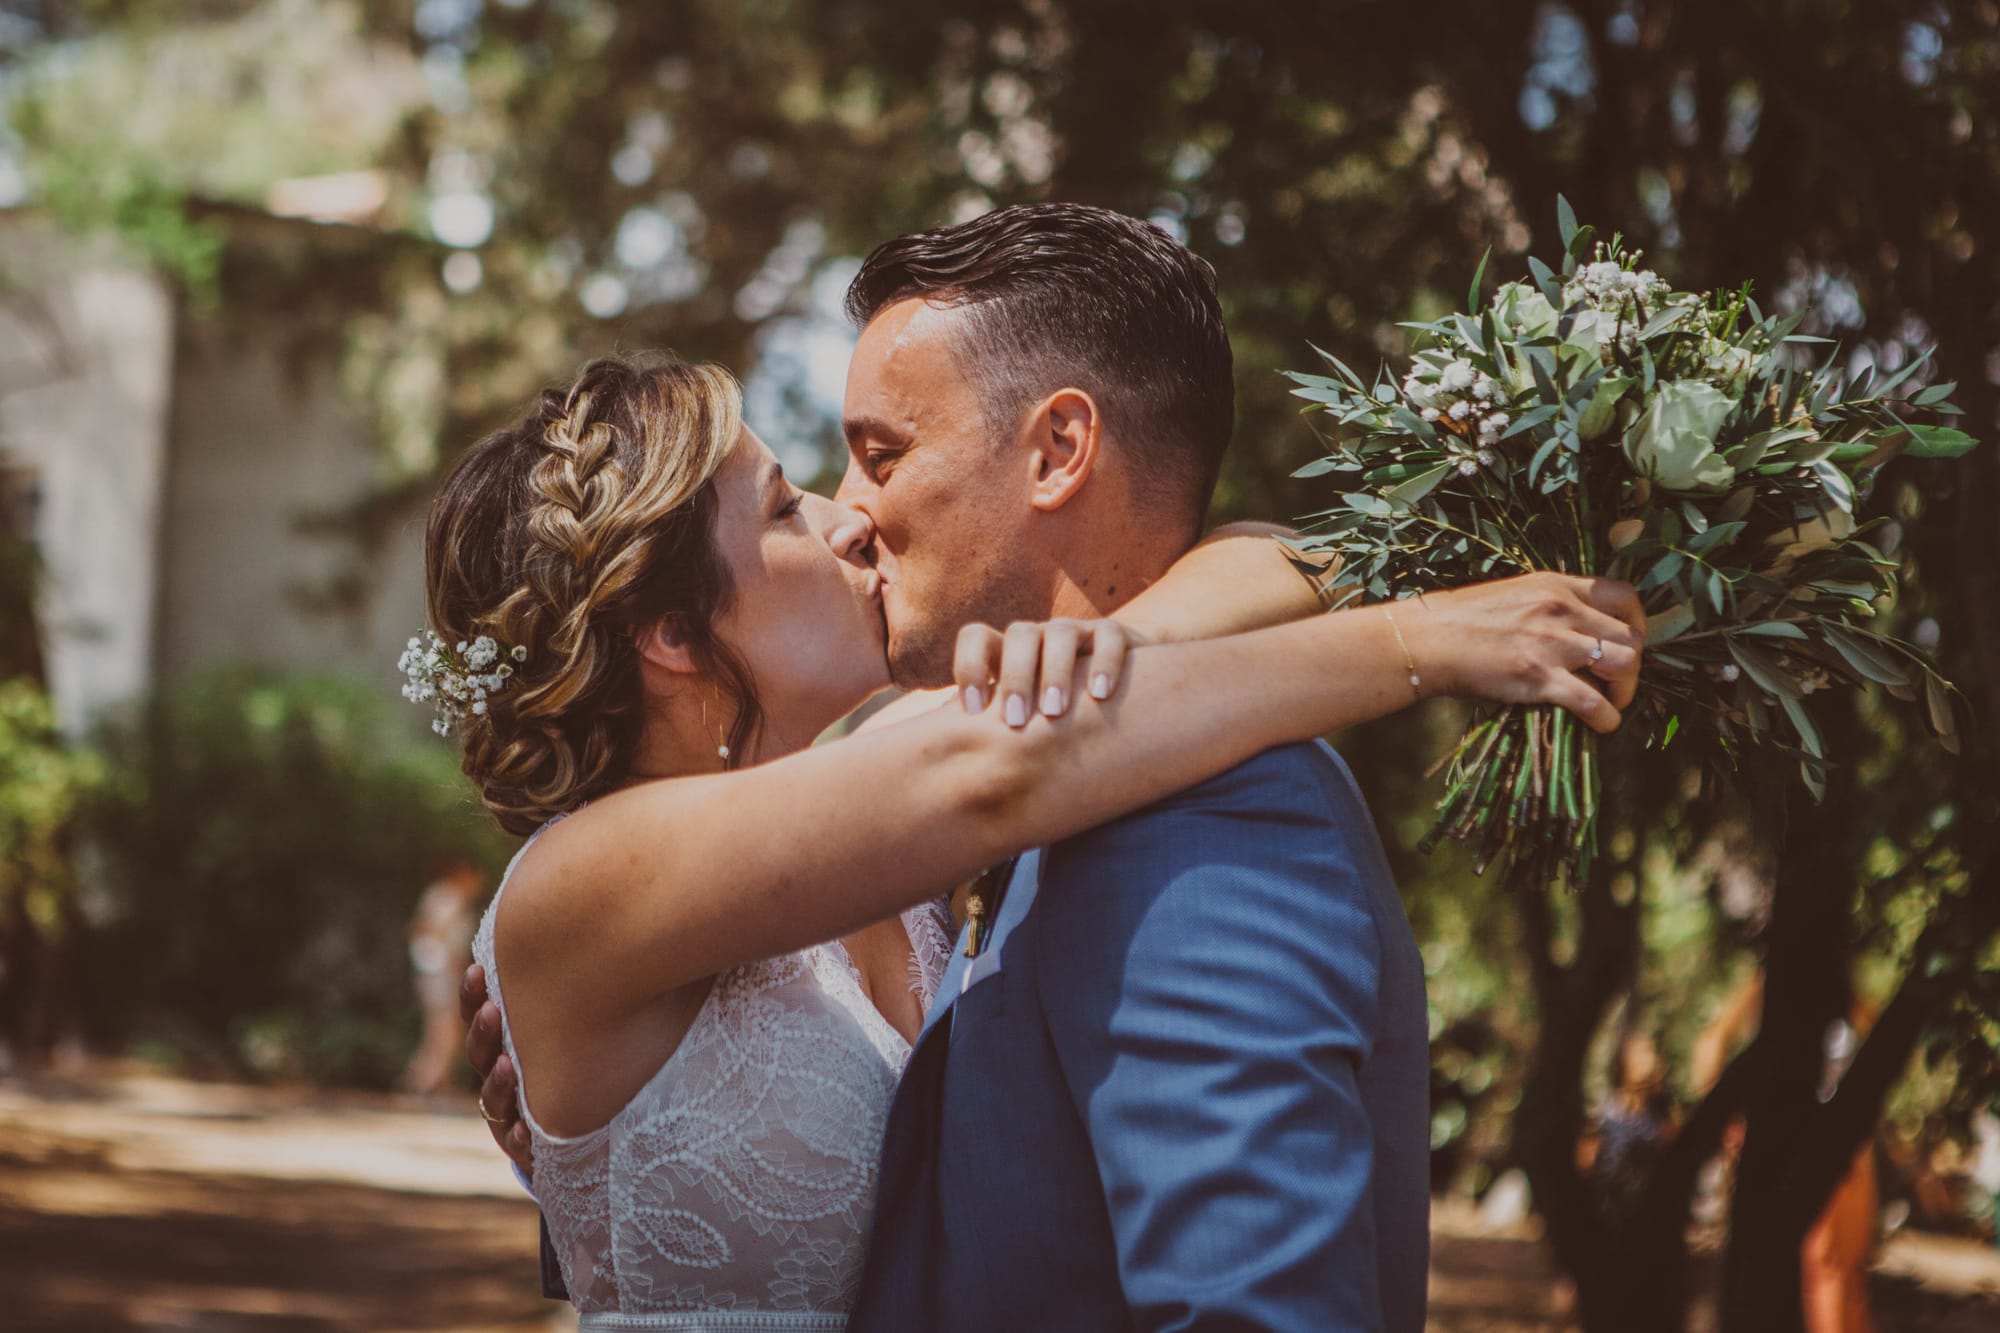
(703, 174)
(43, 783)
(263, 844)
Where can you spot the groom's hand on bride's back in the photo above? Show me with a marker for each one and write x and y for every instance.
(498, 1085)
(1535, 638)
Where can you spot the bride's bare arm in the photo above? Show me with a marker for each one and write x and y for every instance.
(662, 884)
(1237, 578)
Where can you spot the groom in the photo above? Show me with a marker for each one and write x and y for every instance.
(1184, 1084)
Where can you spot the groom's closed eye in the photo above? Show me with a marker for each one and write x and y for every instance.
(875, 444)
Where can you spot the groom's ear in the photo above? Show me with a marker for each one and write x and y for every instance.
(662, 644)
(1068, 431)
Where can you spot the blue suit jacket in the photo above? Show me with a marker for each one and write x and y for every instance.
(1186, 1087)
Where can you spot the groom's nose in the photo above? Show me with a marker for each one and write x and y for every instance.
(851, 535)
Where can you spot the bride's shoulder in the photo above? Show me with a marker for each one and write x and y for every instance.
(556, 860)
(578, 844)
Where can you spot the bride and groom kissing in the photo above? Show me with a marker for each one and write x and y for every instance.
(1173, 1074)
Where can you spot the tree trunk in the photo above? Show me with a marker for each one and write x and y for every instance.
(1806, 988)
(1618, 1287)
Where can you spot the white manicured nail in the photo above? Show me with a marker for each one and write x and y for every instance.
(1052, 702)
(1100, 686)
(1017, 711)
(975, 700)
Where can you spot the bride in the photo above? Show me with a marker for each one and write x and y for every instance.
(715, 949)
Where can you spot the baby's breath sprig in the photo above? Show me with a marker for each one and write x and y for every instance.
(456, 681)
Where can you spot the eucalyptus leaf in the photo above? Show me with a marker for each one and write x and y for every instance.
(1528, 420)
(1662, 572)
(1939, 442)
(1803, 722)
(1718, 536)
(1542, 364)
(1478, 280)
(1544, 279)
(1894, 381)
(1944, 723)
(1541, 457)
(1750, 452)
(1838, 488)
(1866, 654)
(1338, 365)
(1668, 625)
(1602, 412)
(1764, 668)
(1406, 495)
(1664, 320)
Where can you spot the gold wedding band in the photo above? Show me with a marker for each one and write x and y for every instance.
(487, 1115)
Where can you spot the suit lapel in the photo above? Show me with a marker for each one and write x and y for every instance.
(963, 973)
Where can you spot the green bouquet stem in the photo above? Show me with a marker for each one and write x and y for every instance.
(1522, 793)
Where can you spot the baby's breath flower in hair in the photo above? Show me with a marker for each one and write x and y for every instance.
(455, 681)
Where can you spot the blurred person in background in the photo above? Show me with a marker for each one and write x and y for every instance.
(1835, 1256)
(440, 949)
(1630, 1127)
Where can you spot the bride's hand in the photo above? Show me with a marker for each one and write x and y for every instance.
(1531, 639)
(1030, 668)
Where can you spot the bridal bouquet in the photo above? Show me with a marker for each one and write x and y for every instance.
(1598, 421)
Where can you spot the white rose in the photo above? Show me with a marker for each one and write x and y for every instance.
(1673, 440)
(1524, 310)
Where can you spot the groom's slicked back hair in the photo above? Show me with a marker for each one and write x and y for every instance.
(1066, 295)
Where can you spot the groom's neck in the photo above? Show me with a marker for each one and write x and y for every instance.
(1113, 567)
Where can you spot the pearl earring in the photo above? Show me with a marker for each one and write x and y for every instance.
(721, 737)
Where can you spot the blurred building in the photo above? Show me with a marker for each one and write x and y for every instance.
(182, 471)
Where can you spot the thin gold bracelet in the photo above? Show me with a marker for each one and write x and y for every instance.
(1409, 662)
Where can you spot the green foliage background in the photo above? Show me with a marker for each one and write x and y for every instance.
(262, 843)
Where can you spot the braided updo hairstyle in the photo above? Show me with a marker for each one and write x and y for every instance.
(562, 534)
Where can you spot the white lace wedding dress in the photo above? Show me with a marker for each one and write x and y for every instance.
(735, 1190)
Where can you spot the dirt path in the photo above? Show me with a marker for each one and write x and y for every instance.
(139, 1203)
(130, 1204)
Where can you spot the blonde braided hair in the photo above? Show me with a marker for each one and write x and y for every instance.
(588, 519)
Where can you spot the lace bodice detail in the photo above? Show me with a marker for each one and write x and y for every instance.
(742, 1176)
